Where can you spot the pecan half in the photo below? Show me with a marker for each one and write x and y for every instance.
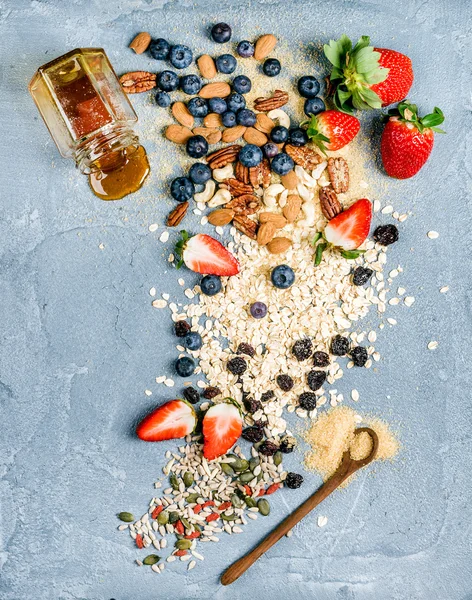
(279, 98)
(246, 226)
(241, 173)
(338, 174)
(303, 156)
(330, 205)
(138, 81)
(223, 157)
(237, 188)
(260, 175)
(177, 215)
(247, 204)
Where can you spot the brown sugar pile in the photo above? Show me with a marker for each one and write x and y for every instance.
(332, 434)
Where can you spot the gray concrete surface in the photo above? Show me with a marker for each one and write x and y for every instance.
(80, 342)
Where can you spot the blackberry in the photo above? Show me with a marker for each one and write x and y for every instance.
(293, 480)
(268, 448)
(316, 379)
(359, 356)
(287, 444)
(285, 382)
(191, 395)
(386, 234)
(211, 392)
(320, 359)
(307, 400)
(361, 275)
(339, 345)
(181, 328)
(252, 405)
(244, 348)
(253, 434)
(237, 366)
(267, 396)
(302, 349)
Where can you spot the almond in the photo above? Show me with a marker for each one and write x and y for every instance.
(253, 136)
(207, 66)
(264, 46)
(211, 134)
(269, 217)
(292, 209)
(213, 120)
(222, 216)
(265, 233)
(233, 133)
(178, 134)
(182, 114)
(290, 181)
(279, 245)
(141, 42)
(263, 123)
(219, 89)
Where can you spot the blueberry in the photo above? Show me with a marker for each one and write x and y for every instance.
(180, 56)
(282, 277)
(226, 63)
(314, 106)
(242, 84)
(271, 67)
(159, 49)
(258, 310)
(210, 285)
(282, 164)
(190, 84)
(217, 105)
(308, 86)
(250, 155)
(279, 134)
(182, 189)
(245, 49)
(235, 101)
(198, 107)
(221, 33)
(193, 341)
(163, 99)
(298, 136)
(168, 81)
(246, 117)
(229, 118)
(197, 146)
(185, 366)
(199, 173)
(270, 150)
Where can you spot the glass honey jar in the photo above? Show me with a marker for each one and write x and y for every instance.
(90, 119)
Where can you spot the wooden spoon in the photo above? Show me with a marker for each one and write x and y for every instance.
(346, 469)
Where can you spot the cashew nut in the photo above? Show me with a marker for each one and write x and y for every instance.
(280, 117)
(221, 197)
(224, 173)
(318, 170)
(207, 192)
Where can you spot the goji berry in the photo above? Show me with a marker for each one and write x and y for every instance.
(179, 527)
(225, 505)
(272, 488)
(208, 503)
(180, 553)
(139, 541)
(212, 517)
(157, 511)
(192, 536)
(196, 509)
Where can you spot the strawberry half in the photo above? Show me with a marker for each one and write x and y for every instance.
(222, 426)
(365, 77)
(332, 129)
(203, 254)
(407, 140)
(174, 419)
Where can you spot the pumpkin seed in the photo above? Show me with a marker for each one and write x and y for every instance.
(183, 544)
(254, 462)
(263, 506)
(174, 482)
(126, 517)
(278, 457)
(229, 517)
(246, 477)
(240, 465)
(227, 469)
(173, 516)
(163, 518)
(151, 559)
(192, 498)
(188, 479)
(250, 502)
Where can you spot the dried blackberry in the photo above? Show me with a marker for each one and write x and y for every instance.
(253, 434)
(339, 345)
(293, 480)
(359, 356)
(302, 349)
(181, 328)
(361, 275)
(211, 392)
(320, 359)
(285, 382)
(287, 444)
(191, 395)
(386, 234)
(244, 348)
(316, 379)
(268, 448)
(267, 396)
(307, 400)
(237, 365)
(252, 405)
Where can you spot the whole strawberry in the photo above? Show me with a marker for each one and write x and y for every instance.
(366, 77)
(407, 140)
(332, 129)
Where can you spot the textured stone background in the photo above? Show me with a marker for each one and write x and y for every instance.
(80, 342)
